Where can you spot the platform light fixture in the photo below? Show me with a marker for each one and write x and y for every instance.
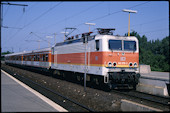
(90, 25)
(65, 34)
(129, 11)
(49, 39)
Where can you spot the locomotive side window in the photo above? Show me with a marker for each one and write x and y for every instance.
(130, 45)
(97, 45)
(115, 44)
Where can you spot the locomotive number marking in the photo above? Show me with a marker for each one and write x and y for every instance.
(122, 63)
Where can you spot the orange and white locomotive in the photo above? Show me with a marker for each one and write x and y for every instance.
(111, 61)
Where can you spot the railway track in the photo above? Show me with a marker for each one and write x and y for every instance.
(69, 104)
(146, 97)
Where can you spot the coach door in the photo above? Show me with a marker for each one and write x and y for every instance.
(55, 58)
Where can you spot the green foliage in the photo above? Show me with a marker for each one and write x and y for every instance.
(154, 53)
(4, 53)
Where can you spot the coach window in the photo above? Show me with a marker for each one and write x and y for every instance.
(30, 58)
(97, 45)
(46, 57)
(38, 57)
(43, 57)
(34, 57)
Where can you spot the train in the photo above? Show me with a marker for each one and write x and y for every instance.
(109, 61)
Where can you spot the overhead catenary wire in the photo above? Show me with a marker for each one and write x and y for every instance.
(74, 15)
(83, 22)
(33, 21)
(19, 19)
(157, 30)
(41, 38)
(148, 22)
(41, 15)
(111, 13)
(103, 16)
(6, 11)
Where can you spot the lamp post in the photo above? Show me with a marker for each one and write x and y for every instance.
(55, 38)
(129, 11)
(85, 38)
(49, 39)
(65, 34)
(90, 24)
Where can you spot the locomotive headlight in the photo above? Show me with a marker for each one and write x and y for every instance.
(135, 64)
(109, 64)
(114, 64)
(130, 64)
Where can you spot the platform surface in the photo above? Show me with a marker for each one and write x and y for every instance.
(157, 75)
(16, 98)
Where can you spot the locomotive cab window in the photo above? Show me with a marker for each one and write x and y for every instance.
(129, 45)
(115, 44)
(97, 45)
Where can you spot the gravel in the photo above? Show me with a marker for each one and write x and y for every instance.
(95, 99)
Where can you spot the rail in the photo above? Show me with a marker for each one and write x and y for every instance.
(144, 96)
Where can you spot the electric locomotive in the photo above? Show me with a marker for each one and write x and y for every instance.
(108, 60)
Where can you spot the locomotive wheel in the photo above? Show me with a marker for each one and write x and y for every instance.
(54, 72)
(78, 78)
(108, 87)
(63, 75)
(134, 86)
(97, 81)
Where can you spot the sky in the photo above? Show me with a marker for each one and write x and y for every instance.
(39, 25)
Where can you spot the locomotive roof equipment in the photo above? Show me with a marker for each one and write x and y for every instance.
(105, 31)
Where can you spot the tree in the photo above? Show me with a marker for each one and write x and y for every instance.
(153, 52)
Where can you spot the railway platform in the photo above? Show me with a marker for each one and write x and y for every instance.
(18, 97)
(152, 82)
